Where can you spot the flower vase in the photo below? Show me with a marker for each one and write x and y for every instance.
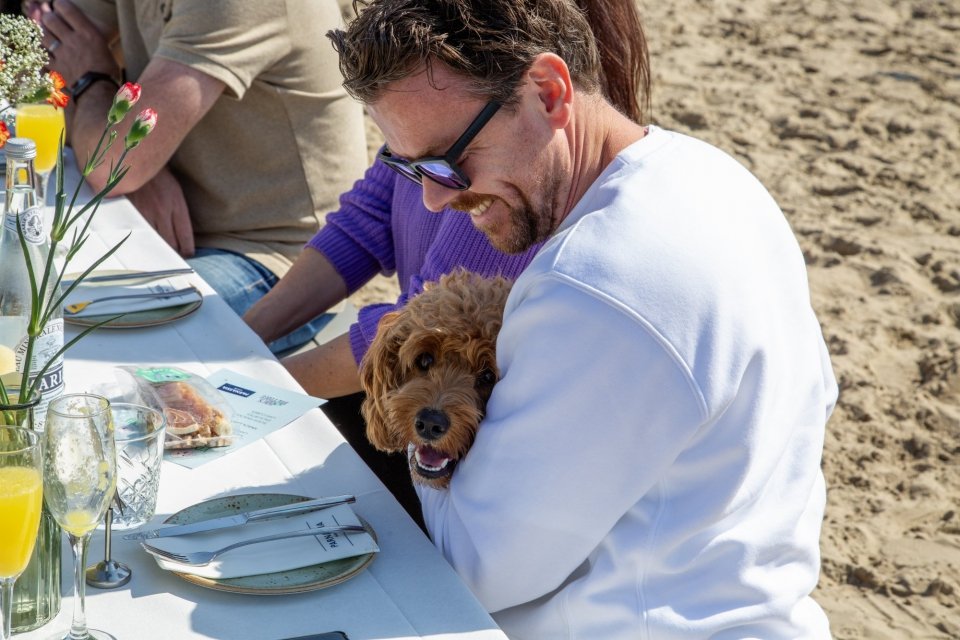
(36, 593)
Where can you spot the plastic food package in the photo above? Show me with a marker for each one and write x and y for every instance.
(197, 416)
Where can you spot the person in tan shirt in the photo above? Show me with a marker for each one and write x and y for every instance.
(256, 136)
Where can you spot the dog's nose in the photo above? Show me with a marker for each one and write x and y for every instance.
(431, 424)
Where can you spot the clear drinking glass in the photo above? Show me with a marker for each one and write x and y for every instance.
(79, 473)
(139, 433)
(21, 498)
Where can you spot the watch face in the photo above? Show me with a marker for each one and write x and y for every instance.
(80, 84)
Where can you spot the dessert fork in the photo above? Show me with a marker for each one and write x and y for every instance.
(200, 558)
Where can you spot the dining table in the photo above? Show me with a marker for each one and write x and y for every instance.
(407, 591)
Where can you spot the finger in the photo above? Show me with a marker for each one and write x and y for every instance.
(72, 16)
(184, 232)
(54, 28)
(164, 227)
(149, 220)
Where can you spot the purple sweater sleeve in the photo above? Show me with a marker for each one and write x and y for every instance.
(358, 237)
(429, 245)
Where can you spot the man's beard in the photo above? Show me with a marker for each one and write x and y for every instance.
(526, 225)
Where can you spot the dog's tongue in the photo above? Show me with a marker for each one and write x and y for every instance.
(429, 456)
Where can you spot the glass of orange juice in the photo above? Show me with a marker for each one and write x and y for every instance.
(21, 497)
(44, 124)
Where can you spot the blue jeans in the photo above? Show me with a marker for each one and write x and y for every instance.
(241, 281)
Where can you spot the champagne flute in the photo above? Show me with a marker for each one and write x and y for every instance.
(79, 472)
(21, 497)
(44, 124)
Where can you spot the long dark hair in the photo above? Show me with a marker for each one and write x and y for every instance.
(623, 51)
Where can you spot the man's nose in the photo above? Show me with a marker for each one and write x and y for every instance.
(436, 196)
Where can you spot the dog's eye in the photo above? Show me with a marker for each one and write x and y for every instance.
(424, 360)
(486, 378)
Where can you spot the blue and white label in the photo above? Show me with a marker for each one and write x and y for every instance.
(235, 390)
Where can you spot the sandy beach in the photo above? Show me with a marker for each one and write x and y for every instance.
(849, 113)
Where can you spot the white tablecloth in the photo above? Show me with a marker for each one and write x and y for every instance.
(409, 591)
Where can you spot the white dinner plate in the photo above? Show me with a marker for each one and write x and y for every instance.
(318, 576)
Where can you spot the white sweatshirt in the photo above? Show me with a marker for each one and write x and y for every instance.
(649, 467)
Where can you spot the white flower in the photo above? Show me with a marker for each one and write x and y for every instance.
(22, 59)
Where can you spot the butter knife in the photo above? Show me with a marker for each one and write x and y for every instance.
(241, 518)
(132, 275)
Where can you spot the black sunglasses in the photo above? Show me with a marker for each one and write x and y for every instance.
(441, 169)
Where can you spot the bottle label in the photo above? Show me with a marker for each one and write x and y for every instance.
(46, 346)
(31, 223)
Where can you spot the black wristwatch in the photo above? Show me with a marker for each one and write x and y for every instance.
(87, 80)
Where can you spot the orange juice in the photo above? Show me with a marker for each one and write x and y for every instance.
(44, 124)
(80, 522)
(21, 494)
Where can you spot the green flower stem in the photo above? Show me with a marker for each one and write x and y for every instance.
(32, 333)
(76, 282)
(94, 203)
(64, 348)
(39, 311)
(64, 219)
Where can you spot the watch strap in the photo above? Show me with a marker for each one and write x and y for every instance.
(87, 80)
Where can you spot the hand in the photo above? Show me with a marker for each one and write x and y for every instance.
(161, 203)
(74, 42)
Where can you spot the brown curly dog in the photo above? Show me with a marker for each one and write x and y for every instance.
(429, 372)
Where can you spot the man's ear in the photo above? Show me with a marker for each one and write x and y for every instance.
(554, 88)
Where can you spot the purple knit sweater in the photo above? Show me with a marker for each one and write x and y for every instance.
(383, 227)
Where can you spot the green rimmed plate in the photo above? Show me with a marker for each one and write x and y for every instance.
(318, 576)
(135, 319)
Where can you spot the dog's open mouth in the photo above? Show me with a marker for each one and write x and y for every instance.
(431, 463)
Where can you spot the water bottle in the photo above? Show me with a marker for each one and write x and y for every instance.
(22, 205)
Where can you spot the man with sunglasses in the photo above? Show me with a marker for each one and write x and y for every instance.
(383, 227)
(649, 463)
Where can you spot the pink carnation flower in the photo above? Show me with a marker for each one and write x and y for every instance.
(143, 125)
(123, 101)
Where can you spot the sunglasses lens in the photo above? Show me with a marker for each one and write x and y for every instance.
(443, 174)
(405, 170)
(399, 165)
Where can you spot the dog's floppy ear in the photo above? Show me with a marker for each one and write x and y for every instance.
(379, 374)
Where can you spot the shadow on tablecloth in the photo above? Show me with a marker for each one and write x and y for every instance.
(392, 469)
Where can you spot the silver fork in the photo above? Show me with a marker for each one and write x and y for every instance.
(200, 558)
(77, 307)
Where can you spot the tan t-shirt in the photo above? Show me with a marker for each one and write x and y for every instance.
(265, 165)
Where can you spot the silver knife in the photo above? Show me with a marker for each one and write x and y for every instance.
(241, 518)
(132, 275)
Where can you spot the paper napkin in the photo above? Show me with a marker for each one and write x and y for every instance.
(270, 557)
(128, 305)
